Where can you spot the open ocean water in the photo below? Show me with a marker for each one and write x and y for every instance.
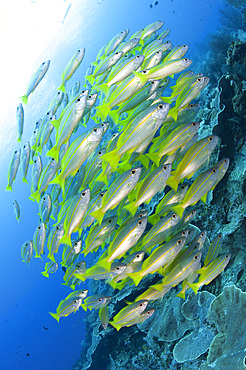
(30, 338)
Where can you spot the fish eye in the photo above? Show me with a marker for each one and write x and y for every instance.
(199, 79)
(225, 160)
(78, 99)
(192, 212)
(83, 194)
(182, 187)
(95, 130)
(116, 53)
(114, 135)
(99, 152)
(99, 299)
(133, 172)
(185, 60)
(138, 255)
(152, 82)
(43, 63)
(102, 194)
(78, 51)
(140, 222)
(138, 56)
(58, 93)
(117, 268)
(75, 243)
(78, 265)
(57, 227)
(193, 123)
(89, 97)
(195, 257)
(102, 124)
(15, 151)
(158, 52)
(26, 244)
(183, 232)
(179, 242)
(141, 215)
(189, 232)
(164, 168)
(160, 106)
(75, 300)
(140, 304)
(213, 170)
(109, 221)
(174, 216)
(144, 71)
(52, 159)
(39, 227)
(227, 256)
(220, 235)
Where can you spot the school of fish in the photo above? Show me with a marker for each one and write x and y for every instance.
(100, 154)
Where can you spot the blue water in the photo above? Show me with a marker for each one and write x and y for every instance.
(26, 296)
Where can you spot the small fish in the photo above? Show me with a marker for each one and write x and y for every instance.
(20, 120)
(13, 168)
(39, 239)
(45, 208)
(104, 316)
(210, 272)
(99, 273)
(158, 258)
(128, 313)
(96, 301)
(119, 189)
(54, 240)
(16, 209)
(46, 175)
(27, 251)
(50, 268)
(71, 67)
(35, 79)
(214, 249)
(66, 307)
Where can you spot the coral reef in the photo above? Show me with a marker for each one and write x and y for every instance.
(227, 312)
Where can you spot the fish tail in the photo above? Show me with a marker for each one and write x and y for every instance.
(105, 264)
(194, 286)
(91, 79)
(59, 180)
(158, 287)
(179, 210)
(131, 208)
(51, 257)
(19, 139)
(172, 182)
(98, 214)
(173, 113)
(84, 307)
(124, 166)
(35, 196)
(9, 188)
(142, 78)
(116, 326)
(24, 99)
(53, 153)
(181, 294)
(103, 88)
(45, 273)
(80, 276)
(153, 219)
(112, 158)
(144, 160)
(66, 239)
(136, 277)
(103, 111)
(103, 178)
(62, 88)
(114, 115)
(154, 157)
(24, 179)
(55, 316)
